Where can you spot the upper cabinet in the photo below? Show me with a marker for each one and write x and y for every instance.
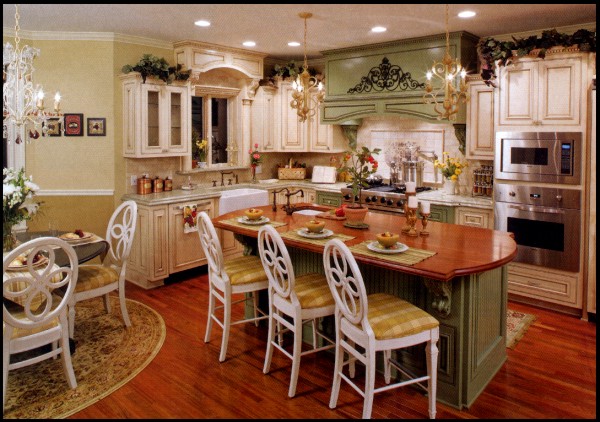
(480, 121)
(543, 92)
(276, 127)
(156, 118)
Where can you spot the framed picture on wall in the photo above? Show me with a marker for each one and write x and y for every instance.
(73, 124)
(96, 126)
(52, 127)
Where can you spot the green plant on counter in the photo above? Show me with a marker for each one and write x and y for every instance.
(502, 53)
(150, 65)
(359, 164)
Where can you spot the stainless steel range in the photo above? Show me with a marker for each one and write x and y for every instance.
(383, 198)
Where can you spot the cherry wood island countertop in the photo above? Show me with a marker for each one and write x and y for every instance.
(460, 250)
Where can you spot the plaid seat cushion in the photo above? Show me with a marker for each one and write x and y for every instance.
(245, 269)
(95, 276)
(313, 291)
(23, 332)
(392, 317)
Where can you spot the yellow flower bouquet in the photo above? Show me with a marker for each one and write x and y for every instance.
(450, 167)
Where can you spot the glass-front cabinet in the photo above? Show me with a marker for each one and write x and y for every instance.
(155, 118)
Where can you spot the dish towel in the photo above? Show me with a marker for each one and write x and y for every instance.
(189, 219)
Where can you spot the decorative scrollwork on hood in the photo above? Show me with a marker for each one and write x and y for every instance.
(386, 77)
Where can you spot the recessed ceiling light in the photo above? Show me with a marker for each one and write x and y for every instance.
(294, 44)
(378, 29)
(249, 43)
(466, 14)
(202, 23)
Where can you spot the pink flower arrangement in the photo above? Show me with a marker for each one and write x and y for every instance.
(255, 157)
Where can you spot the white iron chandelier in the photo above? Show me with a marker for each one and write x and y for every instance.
(304, 102)
(446, 71)
(23, 106)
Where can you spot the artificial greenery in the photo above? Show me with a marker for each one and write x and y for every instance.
(150, 65)
(502, 53)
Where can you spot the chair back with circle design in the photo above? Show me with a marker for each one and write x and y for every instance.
(346, 283)
(211, 246)
(277, 262)
(120, 233)
(34, 286)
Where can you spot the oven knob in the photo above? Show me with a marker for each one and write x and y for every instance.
(559, 198)
(347, 196)
(374, 198)
(382, 200)
(511, 193)
(390, 202)
(356, 198)
(400, 203)
(367, 199)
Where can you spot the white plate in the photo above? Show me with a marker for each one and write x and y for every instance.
(246, 220)
(43, 260)
(86, 236)
(305, 233)
(377, 247)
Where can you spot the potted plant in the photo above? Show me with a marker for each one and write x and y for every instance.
(450, 168)
(198, 150)
(255, 160)
(358, 164)
(18, 204)
(150, 65)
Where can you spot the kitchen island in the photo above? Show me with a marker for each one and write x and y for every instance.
(463, 284)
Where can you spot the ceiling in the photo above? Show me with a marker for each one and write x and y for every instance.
(332, 26)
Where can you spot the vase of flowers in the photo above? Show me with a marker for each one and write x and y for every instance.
(18, 204)
(198, 149)
(450, 168)
(255, 160)
(358, 164)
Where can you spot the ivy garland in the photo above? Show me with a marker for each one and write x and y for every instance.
(150, 65)
(502, 53)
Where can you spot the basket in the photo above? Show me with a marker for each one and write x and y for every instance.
(291, 173)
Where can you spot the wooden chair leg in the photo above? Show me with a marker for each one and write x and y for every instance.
(123, 304)
(270, 340)
(369, 384)
(226, 326)
(337, 379)
(431, 353)
(296, 356)
(211, 311)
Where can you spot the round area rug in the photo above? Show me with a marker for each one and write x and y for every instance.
(107, 356)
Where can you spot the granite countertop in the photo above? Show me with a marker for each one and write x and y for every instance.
(207, 191)
(439, 197)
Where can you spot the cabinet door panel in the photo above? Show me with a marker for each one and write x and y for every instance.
(559, 88)
(480, 122)
(517, 94)
(185, 249)
(151, 122)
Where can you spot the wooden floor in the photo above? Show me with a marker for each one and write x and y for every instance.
(551, 373)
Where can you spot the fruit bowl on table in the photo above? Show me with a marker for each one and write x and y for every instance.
(387, 239)
(253, 214)
(314, 226)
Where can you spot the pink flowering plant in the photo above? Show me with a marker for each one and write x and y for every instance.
(359, 164)
(255, 156)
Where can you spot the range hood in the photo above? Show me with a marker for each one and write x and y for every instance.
(389, 78)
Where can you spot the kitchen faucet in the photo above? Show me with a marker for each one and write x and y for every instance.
(223, 173)
(288, 208)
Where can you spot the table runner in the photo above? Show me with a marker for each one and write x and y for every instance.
(293, 234)
(234, 222)
(411, 257)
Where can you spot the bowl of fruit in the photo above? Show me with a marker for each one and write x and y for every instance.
(387, 239)
(253, 214)
(315, 226)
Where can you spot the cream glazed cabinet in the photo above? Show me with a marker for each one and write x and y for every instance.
(544, 93)
(156, 117)
(276, 127)
(161, 247)
(480, 120)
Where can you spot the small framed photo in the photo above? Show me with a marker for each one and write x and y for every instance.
(96, 126)
(52, 127)
(73, 124)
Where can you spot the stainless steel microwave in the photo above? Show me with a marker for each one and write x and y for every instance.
(551, 157)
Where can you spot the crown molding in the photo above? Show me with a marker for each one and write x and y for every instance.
(87, 36)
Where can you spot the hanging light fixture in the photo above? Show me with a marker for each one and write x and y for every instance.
(447, 71)
(23, 104)
(304, 102)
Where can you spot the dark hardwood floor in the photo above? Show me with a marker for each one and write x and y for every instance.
(551, 373)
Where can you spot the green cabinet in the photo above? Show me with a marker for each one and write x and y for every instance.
(442, 214)
(331, 199)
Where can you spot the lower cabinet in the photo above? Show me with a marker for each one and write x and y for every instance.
(441, 213)
(475, 217)
(161, 247)
(331, 199)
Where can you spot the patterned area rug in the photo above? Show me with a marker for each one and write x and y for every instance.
(517, 324)
(107, 356)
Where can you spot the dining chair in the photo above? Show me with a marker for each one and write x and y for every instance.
(304, 299)
(375, 322)
(36, 292)
(100, 279)
(243, 275)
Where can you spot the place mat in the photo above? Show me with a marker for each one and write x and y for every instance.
(234, 222)
(411, 257)
(293, 235)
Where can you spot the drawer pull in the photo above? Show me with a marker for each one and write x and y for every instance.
(532, 283)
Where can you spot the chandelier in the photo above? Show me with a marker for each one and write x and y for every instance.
(23, 105)
(446, 71)
(304, 102)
